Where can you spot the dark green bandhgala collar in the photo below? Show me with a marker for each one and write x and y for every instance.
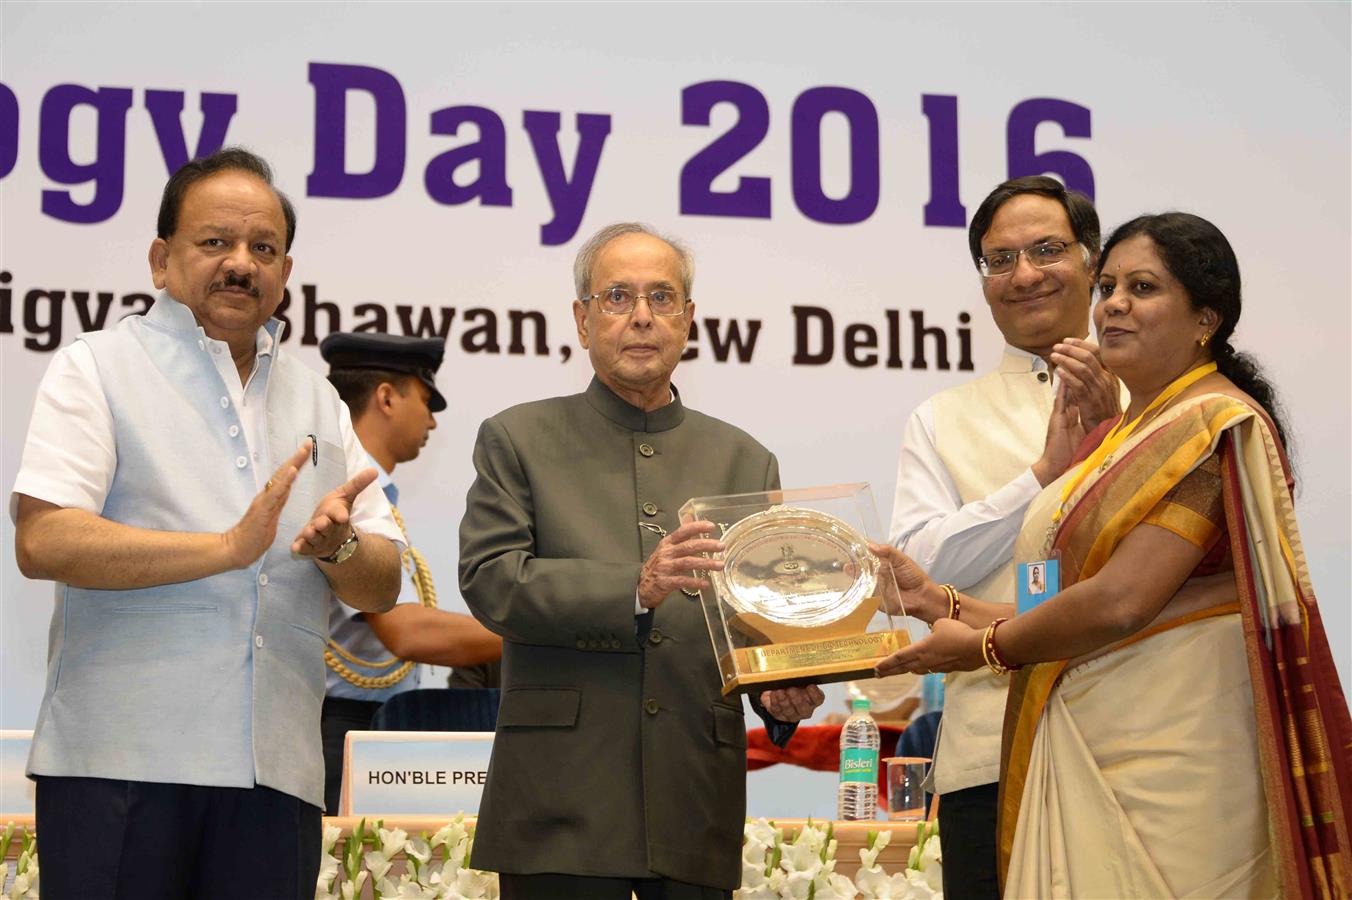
(608, 403)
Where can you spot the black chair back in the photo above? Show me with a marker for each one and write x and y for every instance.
(439, 709)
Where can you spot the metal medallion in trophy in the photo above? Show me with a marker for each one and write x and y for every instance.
(799, 598)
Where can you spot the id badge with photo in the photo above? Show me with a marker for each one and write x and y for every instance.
(1038, 580)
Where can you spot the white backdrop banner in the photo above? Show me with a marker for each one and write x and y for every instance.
(822, 161)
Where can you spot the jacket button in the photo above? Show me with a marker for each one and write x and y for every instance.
(258, 641)
(646, 449)
(650, 509)
(1042, 376)
(615, 645)
(655, 636)
(651, 707)
(582, 645)
(594, 644)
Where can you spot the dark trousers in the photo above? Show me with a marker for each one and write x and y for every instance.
(585, 887)
(340, 716)
(967, 828)
(137, 840)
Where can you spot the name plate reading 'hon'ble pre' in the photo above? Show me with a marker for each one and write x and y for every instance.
(17, 796)
(414, 773)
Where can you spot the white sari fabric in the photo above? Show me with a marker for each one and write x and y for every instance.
(1144, 779)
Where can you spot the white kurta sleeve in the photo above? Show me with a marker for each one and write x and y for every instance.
(953, 542)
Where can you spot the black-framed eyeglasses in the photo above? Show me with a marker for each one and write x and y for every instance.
(1040, 256)
(619, 301)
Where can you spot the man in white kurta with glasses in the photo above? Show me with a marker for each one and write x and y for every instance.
(973, 456)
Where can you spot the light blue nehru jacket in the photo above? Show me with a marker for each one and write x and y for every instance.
(211, 682)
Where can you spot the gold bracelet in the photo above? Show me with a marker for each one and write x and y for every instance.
(954, 601)
(985, 651)
(992, 655)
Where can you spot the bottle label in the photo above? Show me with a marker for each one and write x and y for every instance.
(859, 764)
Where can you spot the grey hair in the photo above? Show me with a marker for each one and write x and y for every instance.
(586, 257)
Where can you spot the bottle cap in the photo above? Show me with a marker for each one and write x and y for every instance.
(860, 704)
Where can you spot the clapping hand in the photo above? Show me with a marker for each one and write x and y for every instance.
(1092, 389)
(330, 523)
(254, 533)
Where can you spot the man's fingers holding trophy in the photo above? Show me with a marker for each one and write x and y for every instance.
(792, 704)
(674, 562)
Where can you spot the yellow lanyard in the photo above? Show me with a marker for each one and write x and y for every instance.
(1118, 436)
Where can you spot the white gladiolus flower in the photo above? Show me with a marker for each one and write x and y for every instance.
(458, 853)
(917, 888)
(798, 885)
(445, 875)
(753, 876)
(836, 887)
(762, 832)
(331, 835)
(328, 869)
(811, 836)
(352, 889)
(473, 885)
(408, 889)
(451, 833)
(392, 841)
(379, 864)
(418, 849)
(868, 856)
(800, 857)
(933, 854)
(933, 875)
(875, 884)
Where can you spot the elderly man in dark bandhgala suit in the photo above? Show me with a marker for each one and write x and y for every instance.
(618, 765)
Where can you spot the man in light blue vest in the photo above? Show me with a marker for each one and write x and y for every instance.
(196, 494)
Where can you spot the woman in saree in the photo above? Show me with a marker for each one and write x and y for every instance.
(1162, 740)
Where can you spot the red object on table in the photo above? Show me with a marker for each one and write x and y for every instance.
(814, 747)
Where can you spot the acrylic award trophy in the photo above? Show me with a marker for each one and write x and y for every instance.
(800, 597)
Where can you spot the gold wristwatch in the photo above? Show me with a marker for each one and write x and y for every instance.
(344, 551)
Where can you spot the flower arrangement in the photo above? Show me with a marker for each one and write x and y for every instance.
(803, 868)
(435, 865)
(923, 877)
(25, 883)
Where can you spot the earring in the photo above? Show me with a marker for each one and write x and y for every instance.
(1202, 342)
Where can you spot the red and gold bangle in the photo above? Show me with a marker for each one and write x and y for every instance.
(986, 651)
(991, 655)
(954, 601)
